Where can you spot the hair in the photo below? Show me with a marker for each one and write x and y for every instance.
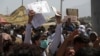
(69, 19)
(19, 29)
(6, 46)
(86, 51)
(24, 50)
(93, 36)
(36, 37)
(40, 29)
(51, 28)
(6, 31)
(81, 39)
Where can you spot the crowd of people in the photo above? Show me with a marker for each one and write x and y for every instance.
(63, 39)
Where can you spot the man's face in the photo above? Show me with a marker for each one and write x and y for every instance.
(70, 51)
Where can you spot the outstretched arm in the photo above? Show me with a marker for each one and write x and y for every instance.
(30, 15)
(28, 27)
(68, 40)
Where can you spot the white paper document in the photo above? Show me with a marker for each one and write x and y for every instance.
(39, 7)
(38, 20)
(55, 11)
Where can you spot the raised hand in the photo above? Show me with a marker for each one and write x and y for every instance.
(58, 17)
(31, 15)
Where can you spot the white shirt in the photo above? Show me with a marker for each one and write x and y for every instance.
(56, 39)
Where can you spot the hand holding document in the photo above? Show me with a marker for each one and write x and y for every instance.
(39, 7)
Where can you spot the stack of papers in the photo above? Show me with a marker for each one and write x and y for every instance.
(38, 20)
(39, 7)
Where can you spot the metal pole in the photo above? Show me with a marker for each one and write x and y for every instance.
(22, 2)
(7, 10)
(61, 7)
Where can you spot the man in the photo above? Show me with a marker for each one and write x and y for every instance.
(79, 41)
(86, 51)
(57, 38)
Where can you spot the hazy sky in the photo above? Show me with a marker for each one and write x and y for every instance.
(83, 5)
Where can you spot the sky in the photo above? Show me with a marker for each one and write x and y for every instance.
(83, 6)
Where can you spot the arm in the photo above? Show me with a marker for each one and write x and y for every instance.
(68, 40)
(28, 27)
(57, 37)
(30, 15)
